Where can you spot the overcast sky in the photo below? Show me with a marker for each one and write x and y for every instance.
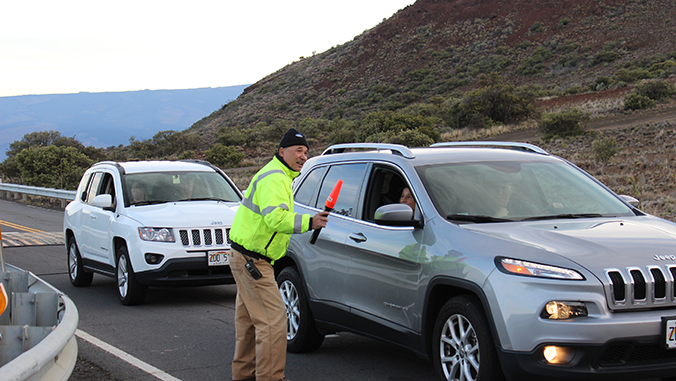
(57, 47)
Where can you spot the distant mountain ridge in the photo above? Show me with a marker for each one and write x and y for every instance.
(109, 118)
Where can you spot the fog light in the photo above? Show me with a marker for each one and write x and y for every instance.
(558, 355)
(153, 259)
(563, 310)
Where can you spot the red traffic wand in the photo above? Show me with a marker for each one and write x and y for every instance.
(328, 206)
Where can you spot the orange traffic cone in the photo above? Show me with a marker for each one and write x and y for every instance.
(3, 298)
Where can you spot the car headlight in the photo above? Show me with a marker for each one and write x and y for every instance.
(518, 267)
(156, 234)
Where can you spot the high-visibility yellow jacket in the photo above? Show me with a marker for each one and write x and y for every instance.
(265, 220)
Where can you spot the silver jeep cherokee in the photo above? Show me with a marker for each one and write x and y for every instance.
(514, 263)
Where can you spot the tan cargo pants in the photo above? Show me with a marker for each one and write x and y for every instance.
(260, 323)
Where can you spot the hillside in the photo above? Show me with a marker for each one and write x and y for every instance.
(439, 47)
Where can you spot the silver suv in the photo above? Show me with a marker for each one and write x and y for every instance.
(151, 223)
(512, 263)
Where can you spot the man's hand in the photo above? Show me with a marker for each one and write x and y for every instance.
(319, 220)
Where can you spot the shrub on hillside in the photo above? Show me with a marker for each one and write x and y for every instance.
(635, 101)
(382, 122)
(223, 156)
(563, 123)
(658, 90)
(490, 105)
(604, 150)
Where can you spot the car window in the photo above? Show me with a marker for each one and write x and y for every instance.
(83, 186)
(108, 186)
(352, 176)
(516, 190)
(94, 186)
(158, 187)
(307, 191)
(384, 187)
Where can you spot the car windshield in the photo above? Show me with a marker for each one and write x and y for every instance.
(159, 187)
(502, 191)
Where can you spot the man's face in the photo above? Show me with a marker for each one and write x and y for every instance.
(294, 156)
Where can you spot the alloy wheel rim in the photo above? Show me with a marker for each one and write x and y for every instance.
(459, 350)
(122, 276)
(291, 303)
(72, 263)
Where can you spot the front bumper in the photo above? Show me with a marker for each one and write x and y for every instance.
(627, 359)
(186, 272)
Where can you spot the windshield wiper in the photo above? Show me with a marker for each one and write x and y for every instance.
(476, 218)
(562, 216)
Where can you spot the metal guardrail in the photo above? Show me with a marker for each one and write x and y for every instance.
(23, 191)
(37, 332)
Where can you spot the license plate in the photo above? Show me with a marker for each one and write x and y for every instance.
(669, 332)
(218, 258)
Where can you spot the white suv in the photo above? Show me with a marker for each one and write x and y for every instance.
(151, 223)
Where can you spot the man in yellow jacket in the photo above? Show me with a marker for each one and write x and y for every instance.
(260, 235)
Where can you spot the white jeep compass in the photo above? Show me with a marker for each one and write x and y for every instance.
(151, 223)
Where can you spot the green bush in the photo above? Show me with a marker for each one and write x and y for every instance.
(490, 105)
(604, 150)
(658, 90)
(223, 156)
(634, 101)
(563, 123)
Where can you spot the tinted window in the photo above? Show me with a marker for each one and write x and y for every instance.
(307, 189)
(352, 176)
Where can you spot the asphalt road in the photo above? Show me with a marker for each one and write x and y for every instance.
(183, 333)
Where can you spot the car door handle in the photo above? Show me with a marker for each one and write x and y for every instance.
(358, 237)
(92, 216)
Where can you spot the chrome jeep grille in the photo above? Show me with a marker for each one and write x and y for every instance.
(635, 287)
(205, 237)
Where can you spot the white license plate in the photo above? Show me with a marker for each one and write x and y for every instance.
(669, 324)
(218, 258)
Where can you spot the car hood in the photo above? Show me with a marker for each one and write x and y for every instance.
(184, 214)
(595, 244)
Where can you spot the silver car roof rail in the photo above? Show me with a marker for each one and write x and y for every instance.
(488, 144)
(396, 149)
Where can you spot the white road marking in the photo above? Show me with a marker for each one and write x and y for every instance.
(125, 356)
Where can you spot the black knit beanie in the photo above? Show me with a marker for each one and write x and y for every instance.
(293, 138)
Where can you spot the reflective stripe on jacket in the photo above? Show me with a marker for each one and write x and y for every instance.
(265, 220)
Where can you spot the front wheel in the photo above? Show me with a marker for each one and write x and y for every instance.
(463, 345)
(302, 334)
(129, 290)
(78, 277)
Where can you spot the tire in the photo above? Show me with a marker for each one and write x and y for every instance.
(302, 334)
(129, 290)
(463, 347)
(78, 276)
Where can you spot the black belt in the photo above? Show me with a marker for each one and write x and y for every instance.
(250, 253)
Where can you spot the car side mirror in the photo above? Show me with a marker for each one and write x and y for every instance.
(396, 215)
(104, 201)
(630, 200)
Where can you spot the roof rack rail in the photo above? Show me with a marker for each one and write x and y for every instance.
(488, 144)
(111, 162)
(396, 149)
